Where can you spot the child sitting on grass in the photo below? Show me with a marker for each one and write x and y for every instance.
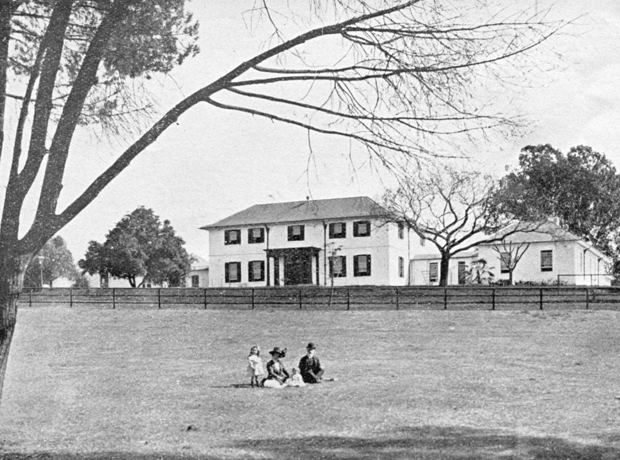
(255, 366)
(295, 380)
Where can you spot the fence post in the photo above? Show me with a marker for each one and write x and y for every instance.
(348, 299)
(300, 304)
(30, 304)
(159, 298)
(587, 298)
(493, 306)
(70, 297)
(541, 298)
(113, 298)
(445, 298)
(397, 300)
(252, 299)
(205, 298)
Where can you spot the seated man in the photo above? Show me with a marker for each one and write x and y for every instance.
(310, 367)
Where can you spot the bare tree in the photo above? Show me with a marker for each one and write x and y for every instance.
(450, 208)
(510, 254)
(398, 73)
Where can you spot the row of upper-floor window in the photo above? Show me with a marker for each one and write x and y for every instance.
(336, 230)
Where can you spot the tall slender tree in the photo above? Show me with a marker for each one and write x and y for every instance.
(399, 73)
(510, 254)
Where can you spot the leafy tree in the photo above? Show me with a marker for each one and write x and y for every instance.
(397, 71)
(53, 261)
(580, 188)
(139, 245)
(450, 208)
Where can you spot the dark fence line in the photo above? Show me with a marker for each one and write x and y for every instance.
(338, 298)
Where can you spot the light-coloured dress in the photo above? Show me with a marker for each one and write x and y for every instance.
(296, 381)
(255, 366)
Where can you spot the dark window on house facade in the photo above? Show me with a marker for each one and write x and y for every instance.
(401, 231)
(546, 261)
(296, 233)
(256, 235)
(195, 281)
(361, 265)
(232, 272)
(232, 236)
(256, 270)
(338, 230)
(338, 266)
(401, 267)
(433, 272)
(361, 228)
(104, 280)
(504, 262)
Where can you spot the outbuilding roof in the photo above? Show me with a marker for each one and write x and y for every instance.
(299, 211)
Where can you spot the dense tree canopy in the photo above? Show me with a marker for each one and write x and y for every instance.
(581, 188)
(140, 246)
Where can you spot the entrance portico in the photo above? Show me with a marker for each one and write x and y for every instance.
(291, 266)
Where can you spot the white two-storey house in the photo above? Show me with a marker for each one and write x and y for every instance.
(343, 241)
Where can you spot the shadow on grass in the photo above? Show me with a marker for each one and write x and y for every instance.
(423, 443)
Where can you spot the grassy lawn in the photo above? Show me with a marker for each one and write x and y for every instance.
(138, 384)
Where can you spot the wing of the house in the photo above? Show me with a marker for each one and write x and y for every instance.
(547, 253)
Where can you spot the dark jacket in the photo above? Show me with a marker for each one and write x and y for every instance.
(310, 369)
(272, 373)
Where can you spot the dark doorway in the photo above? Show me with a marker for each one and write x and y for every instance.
(298, 268)
(462, 273)
(297, 264)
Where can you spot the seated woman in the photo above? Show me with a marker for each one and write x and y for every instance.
(277, 375)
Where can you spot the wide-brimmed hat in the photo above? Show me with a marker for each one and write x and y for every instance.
(311, 346)
(278, 351)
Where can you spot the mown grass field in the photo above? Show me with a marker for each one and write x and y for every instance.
(142, 384)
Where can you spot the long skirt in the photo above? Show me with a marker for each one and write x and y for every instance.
(272, 383)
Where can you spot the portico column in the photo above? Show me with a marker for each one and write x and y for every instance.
(270, 270)
(281, 270)
(313, 265)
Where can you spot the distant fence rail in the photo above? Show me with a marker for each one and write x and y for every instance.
(338, 298)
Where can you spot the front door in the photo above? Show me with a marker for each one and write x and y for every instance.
(462, 273)
(298, 268)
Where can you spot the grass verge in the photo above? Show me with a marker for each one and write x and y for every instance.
(91, 384)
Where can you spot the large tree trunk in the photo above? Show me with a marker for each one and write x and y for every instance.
(444, 269)
(12, 269)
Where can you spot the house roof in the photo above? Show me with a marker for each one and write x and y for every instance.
(200, 263)
(296, 211)
(549, 231)
(543, 232)
(437, 256)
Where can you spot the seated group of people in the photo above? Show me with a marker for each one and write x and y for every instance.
(310, 369)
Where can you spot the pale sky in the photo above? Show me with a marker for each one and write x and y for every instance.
(215, 163)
